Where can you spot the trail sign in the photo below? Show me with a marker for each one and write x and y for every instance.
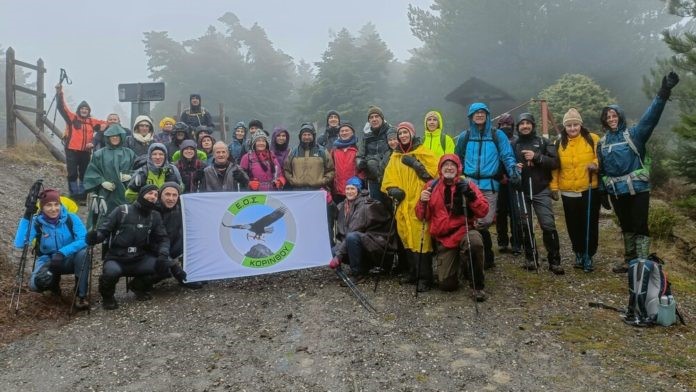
(141, 92)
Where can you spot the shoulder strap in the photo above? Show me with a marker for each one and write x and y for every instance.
(124, 211)
(69, 222)
(443, 140)
(629, 141)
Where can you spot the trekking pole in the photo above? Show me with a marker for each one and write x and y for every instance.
(88, 260)
(587, 228)
(530, 235)
(420, 257)
(471, 259)
(531, 217)
(386, 246)
(19, 279)
(356, 292)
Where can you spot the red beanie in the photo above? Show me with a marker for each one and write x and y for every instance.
(48, 195)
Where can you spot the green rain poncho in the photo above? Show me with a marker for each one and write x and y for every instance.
(108, 164)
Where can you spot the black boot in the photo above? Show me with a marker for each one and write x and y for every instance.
(411, 262)
(141, 287)
(488, 256)
(553, 247)
(425, 280)
(107, 286)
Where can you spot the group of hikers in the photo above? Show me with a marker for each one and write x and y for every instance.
(428, 203)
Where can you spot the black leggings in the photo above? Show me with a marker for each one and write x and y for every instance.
(632, 211)
(575, 211)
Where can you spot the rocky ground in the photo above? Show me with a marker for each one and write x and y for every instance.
(301, 331)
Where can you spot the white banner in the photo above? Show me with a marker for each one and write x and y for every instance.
(233, 234)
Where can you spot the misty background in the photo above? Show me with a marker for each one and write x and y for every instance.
(290, 62)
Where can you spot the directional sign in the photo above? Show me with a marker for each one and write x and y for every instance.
(141, 92)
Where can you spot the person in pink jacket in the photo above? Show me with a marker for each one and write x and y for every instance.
(261, 166)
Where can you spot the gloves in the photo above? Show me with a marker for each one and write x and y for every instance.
(372, 168)
(30, 204)
(98, 205)
(604, 199)
(555, 195)
(397, 194)
(416, 165)
(668, 83)
(516, 181)
(466, 191)
(362, 164)
(94, 237)
(278, 183)
(254, 185)
(109, 186)
(334, 263)
(162, 264)
(178, 273)
(56, 263)
(240, 177)
(125, 177)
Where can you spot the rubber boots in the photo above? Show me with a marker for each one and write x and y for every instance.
(629, 253)
(642, 243)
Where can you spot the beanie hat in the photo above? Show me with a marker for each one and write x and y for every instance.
(526, 116)
(240, 124)
(156, 146)
(257, 136)
(354, 181)
(49, 195)
(506, 119)
(188, 143)
(163, 122)
(572, 115)
(330, 113)
(346, 124)
(307, 127)
(409, 126)
(194, 95)
(170, 184)
(392, 134)
(256, 123)
(181, 127)
(375, 110)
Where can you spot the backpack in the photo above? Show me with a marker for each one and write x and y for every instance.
(494, 136)
(39, 232)
(647, 282)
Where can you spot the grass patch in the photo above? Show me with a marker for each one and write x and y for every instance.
(32, 154)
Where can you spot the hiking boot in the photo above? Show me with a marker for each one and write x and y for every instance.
(109, 303)
(579, 261)
(588, 264)
(556, 269)
(620, 268)
(81, 303)
(516, 251)
(529, 265)
(356, 279)
(408, 280)
(192, 285)
(141, 295)
(423, 286)
(503, 249)
(479, 295)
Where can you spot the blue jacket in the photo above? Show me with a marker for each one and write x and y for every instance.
(619, 166)
(482, 158)
(54, 237)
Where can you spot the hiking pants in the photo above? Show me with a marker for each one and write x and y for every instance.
(450, 261)
(506, 211)
(75, 264)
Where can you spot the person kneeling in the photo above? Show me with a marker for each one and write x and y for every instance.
(451, 204)
(363, 228)
(138, 243)
(61, 246)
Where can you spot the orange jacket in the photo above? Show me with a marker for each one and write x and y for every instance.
(79, 131)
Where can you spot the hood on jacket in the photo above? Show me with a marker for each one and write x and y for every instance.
(157, 146)
(200, 101)
(143, 118)
(440, 124)
(277, 131)
(240, 124)
(84, 104)
(476, 106)
(186, 144)
(528, 117)
(332, 112)
(622, 118)
(449, 157)
(115, 130)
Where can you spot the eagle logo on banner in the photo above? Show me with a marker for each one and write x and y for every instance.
(258, 231)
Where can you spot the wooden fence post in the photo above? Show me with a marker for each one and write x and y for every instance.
(11, 136)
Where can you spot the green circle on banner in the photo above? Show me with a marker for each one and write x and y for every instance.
(257, 220)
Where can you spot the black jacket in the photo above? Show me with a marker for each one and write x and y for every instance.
(173, 224)
(544, 162)
(134, 232)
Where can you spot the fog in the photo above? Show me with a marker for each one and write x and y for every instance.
(517, 46)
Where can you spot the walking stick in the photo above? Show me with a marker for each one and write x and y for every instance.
(585, 262)
(530, 235)
(386, 246)
(471, 260)
(356, 292)
(531, 217)
(420, 257)
(88, 260)
(19, 279)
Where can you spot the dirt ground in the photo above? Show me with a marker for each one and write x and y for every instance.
(302, 331)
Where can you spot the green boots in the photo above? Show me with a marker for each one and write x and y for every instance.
(635, 246)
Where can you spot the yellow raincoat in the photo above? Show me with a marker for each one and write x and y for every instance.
(433, 140)
(397, 174)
